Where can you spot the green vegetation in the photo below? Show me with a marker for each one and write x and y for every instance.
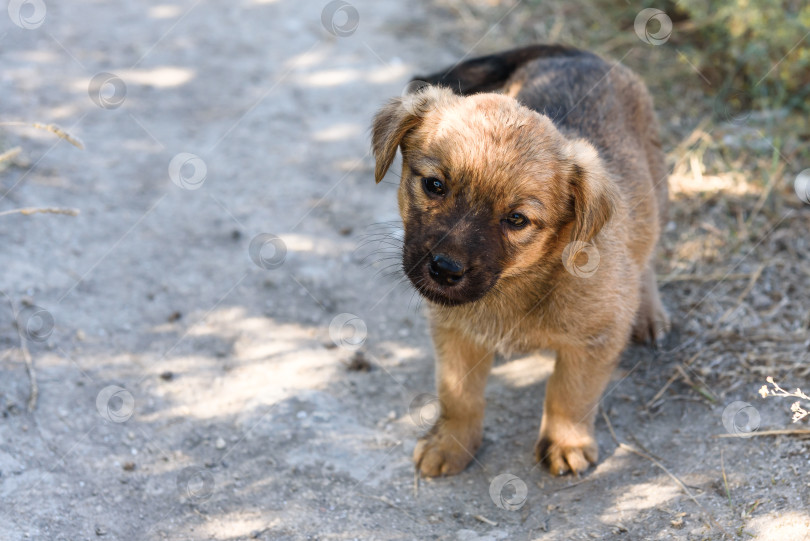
(759, 48)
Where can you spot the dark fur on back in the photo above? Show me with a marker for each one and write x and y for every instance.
(582, 94)
(489, 73)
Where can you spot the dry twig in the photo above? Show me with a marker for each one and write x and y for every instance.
(33, 393)
(10, 154)
(717, 277)
(777, 432)
(672, 379)
(53, 128)
(41, 210)
(485, 520)
(751, 283)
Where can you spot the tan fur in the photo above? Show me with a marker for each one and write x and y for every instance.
(504, 156)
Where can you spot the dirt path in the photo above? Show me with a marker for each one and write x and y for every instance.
(187, 392)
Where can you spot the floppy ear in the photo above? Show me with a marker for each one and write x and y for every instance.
(397, 118)
(594, 192)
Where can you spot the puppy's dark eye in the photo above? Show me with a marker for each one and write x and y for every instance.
(434, 186)
(517, 220)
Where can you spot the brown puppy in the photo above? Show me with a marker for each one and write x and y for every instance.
(530, 219)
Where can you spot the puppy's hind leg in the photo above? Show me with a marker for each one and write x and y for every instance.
(652, 321)
(461, 372)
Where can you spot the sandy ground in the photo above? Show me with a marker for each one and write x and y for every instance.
(189, 386)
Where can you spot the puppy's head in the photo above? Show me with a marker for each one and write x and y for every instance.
(490, 191)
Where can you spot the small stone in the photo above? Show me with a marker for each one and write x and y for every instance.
(358, 363)
(220, 443)
(80, 336)
(129, 466)
(100, 531)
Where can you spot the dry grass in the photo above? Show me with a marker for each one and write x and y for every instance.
(8, 157)
(52, 128)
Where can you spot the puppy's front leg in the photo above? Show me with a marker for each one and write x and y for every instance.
(462, 368)
(566, 441)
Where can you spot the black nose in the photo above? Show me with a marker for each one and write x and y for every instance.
(445, 271)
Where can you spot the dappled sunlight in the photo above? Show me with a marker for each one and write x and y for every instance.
(307, 59)
(165, 11)
(338, 132)
(401, 352)
(327, 78)
(266, 362)
(211, 393)
(62, 112)
(781, 526)
(525, 371)
(298, 242)
(337, 77)
(617, 463)
(238, 524)
(640, 496)
(390, 73)
(731, 184)
(39, 56)
(162, 77)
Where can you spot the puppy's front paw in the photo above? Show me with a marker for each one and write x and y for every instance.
(446, 450)
(566, 450)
